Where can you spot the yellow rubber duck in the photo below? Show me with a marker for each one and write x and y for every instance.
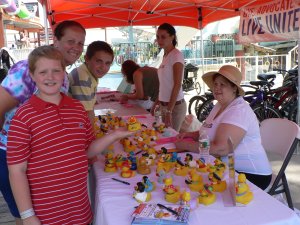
(194, 181)
(125, 171)
(180, 169)
(202, 167)
(133, 124)
(243, 193)
(206, 197)
(110, 164)
(127, 145)
(172, 193)
(220, 165)
(186, 197)
(217, 183)
(143, 166)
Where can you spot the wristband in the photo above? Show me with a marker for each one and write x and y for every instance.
(27, 213)
(168, 111)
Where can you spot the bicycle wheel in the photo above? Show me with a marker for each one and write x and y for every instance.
(194, 104)
(205, 109)
(198, 88)
(263, 112)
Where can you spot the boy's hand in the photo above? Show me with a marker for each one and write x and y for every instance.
(33, 220)
(123, 133)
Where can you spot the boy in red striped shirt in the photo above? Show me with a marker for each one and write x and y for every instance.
(49, 143)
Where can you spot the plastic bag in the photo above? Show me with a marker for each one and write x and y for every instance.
(190, 123)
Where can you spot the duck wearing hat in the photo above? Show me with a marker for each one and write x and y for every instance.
(243, 193)
(217, 183)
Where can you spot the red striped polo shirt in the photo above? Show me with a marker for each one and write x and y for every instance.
(53, 139)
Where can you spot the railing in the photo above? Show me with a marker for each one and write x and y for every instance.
(21, 54)
(250, 66)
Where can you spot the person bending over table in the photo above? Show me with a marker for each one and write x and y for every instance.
(145, 80)
(84, 79)
(18, 87)
(170, 75)
(233, 117)
(49, 143)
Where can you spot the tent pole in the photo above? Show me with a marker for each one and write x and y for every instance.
(46, 25)
(298, 111)
(200, 18)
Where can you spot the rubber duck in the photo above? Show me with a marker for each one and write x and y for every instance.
(217, 183)
(211, 168)
(149, 186)
(189, 161)
(219, 164)
(159, 127)
(152, 153)
(143, 165)
(206, 196)
(185, 197)
(202, 167)
(180, 169)
(172, 193)
(133, 124)
(110, 164)
(161, 174)
(140, 195)
(119, 160)
(243, 193)
(194, 181)
(125, 171)
(127, 145)
(164, 164)
(132, 159)
(153, 134)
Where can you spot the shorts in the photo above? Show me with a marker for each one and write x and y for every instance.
(5, 186)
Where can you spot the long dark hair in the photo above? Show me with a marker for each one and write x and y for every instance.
(128, 68)
(170, 30)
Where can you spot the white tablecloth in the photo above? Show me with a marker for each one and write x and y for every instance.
(114, 203)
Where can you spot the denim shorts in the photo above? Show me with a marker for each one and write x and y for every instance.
(5, 186)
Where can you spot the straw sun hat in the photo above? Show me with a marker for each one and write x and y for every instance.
(231, 73)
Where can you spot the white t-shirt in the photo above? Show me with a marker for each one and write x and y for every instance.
(250, 156)
(165, 75)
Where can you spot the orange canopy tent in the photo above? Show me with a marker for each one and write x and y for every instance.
(111, 13)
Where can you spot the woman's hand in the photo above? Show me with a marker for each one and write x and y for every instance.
(168, 119)
(194, 135)
(123, 98)
(33, 220)
(181, 136)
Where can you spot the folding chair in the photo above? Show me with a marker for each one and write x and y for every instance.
(280, 136)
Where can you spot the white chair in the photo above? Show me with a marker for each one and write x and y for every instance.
(280, 136)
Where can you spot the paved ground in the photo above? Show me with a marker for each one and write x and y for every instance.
(292, 173)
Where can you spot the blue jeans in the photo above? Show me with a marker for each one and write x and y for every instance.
(5, 186)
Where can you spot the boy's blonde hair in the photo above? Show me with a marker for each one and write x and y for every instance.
(48, 52)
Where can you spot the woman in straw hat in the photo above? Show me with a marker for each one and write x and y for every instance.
(233, 117)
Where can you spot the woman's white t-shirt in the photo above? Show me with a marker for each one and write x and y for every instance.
(250, 156)
(165, 75)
